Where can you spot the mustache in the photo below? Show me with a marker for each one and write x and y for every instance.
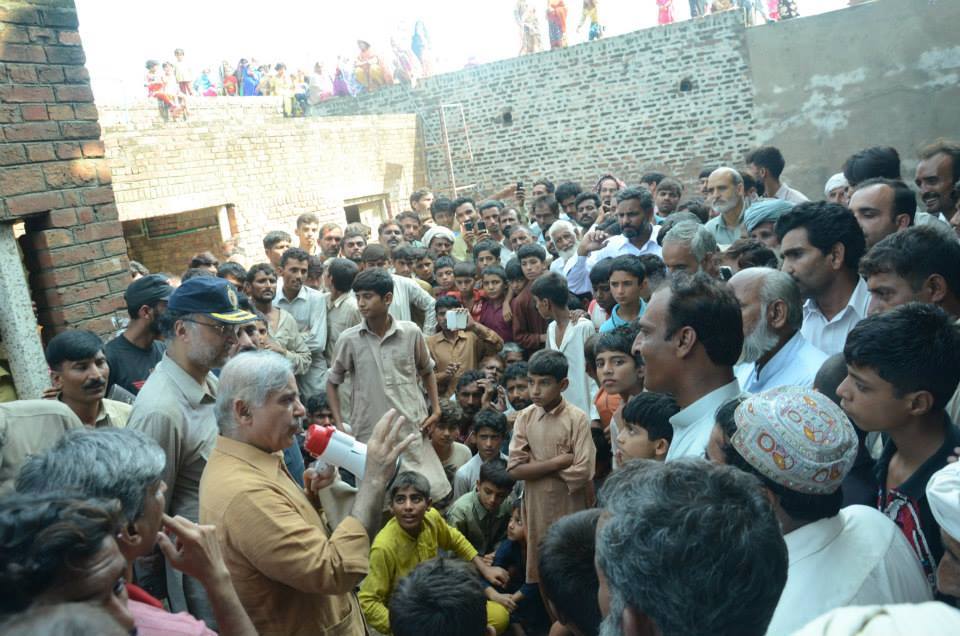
(95, 384)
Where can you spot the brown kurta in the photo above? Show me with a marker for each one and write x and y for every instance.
(540, 435)
(292, 574)
(528, 324)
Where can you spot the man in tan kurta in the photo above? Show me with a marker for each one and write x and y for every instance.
(539, 436)
(292, 573)
(29, 427)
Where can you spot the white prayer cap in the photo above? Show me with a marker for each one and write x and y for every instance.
(929, 619)
(834, 182)
(435, 231)
(943, 494)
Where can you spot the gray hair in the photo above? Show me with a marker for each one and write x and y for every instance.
(697, 236)
(250, 378)
(778, 285)
(560, 225)
(686, 530)
(109, 463)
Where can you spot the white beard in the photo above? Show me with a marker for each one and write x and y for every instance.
(760, 341)
(723, 208)
(566, 255)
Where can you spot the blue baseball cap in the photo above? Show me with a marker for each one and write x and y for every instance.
(211, 296)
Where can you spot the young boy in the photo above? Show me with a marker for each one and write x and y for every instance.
(423, 265)
(465, 282)
(627, 278)
(486, 254)
(452, 454)
(403, 258)
(439, 596)
(483, 514)
(523, 599)
(552, 452)
(620, 374)
(902, 368)
(551, 294)
(414, 535)
(645, 431)
(602, 304)
(384, 357)
(489, 430)
(491, 305)
(458, 350)
(529, 327)
(568, 573)
(443, 275)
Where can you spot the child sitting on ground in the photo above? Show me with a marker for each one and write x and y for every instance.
(488, 431)
(483, 514)
(522, 599)
(552, 452)
(646, 431)
(415, 534)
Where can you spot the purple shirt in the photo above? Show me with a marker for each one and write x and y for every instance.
(491, 316)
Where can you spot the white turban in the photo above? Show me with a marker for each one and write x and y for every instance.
(943, 495)
(929, 619)
(834, 182)
(435, 231)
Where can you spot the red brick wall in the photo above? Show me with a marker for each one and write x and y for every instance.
(53, 174)
(167, 243)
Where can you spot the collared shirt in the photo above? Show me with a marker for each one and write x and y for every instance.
(491, 316)
(467, 476)
(581, 389)
(292, 574)
(395, 553)
(178, 413)
(692, 425)
(467, 348)
(287, 334)
(384, 373)
(796, 364)
(857, 557)
(786, 193)
(578, 285)
(725, 234)
(539, 435)
(483, 528)
(111, 413)
(309, 309)
(615, 320)
(578, 273)
(342, 314)
(829, 336)
(29, 427)
(406, 295)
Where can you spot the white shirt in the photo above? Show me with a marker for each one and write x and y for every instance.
(407, 293)
(564, 267)
(859, 557)
(786, 193)
(309, 309)
(796, 364)
(829, 336)
(581, 389)
(465, 479)
(692, 425)
(578, 271)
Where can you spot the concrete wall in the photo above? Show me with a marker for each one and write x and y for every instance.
(884, 73)
(243, 152)
(613, 105)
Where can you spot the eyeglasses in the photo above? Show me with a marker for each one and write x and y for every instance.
(223, 330)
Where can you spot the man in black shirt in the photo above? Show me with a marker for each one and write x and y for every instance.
(133, 354)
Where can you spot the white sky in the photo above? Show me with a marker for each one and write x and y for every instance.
(120, 35)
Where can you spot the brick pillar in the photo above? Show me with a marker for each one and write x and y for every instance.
(53, 173)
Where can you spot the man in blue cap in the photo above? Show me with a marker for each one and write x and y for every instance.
(760, 219)
(202, 326)
(133, 354)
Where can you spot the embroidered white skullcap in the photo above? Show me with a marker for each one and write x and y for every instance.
(943, 495)
(435, 231)
(834, 182)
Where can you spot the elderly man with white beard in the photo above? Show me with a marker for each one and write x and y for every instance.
(775, 353)
(565, 239)
(725, 198)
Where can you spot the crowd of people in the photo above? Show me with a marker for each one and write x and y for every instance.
(620, 409)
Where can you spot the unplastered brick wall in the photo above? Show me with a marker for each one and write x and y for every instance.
(611, 106)
(167, 243)
(53, 174)
(243, 152)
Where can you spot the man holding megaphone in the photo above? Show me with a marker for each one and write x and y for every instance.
(293, 575)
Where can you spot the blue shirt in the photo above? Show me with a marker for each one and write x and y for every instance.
(796, 364)
(615, 320)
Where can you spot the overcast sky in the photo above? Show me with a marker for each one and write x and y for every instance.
(120, 35)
